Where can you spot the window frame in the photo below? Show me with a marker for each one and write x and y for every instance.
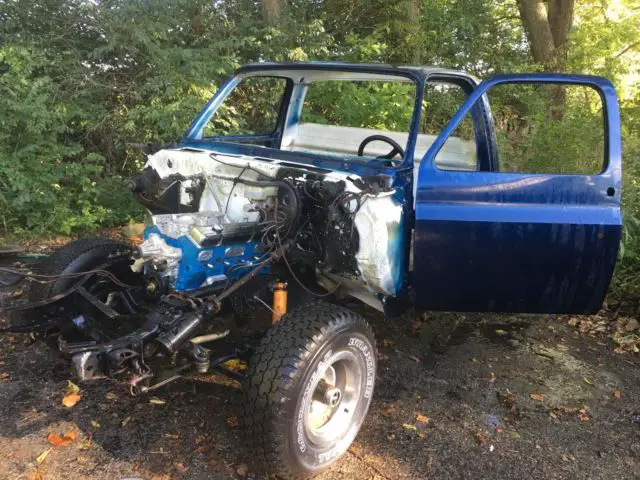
(610, 116)
(226, 90)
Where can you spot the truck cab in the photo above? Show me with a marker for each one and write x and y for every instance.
(479, 228)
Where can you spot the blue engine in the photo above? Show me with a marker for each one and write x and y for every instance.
(204, 266)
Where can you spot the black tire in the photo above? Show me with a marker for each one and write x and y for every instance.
(282, 376)
(79, 256)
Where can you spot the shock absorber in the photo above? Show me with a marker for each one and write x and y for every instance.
(279, 301)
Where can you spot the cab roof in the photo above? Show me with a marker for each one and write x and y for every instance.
(306, 72)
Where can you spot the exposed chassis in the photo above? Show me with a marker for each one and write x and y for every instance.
(145, 341)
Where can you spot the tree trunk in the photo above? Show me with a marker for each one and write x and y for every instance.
(271, 10)
(413, 20)
(547, 31)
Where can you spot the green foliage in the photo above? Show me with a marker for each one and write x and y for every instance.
(81, 79)
(379, 105)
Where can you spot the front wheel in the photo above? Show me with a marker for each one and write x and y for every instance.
(310, 384)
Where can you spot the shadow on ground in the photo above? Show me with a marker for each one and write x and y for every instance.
(504, 397)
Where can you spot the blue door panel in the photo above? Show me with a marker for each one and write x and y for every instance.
(514, 242)
(500, 267)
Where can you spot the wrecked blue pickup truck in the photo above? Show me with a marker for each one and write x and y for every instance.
(301, 185)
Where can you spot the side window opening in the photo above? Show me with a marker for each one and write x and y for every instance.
(441, 101)
(548, 128)
(544, 128)
(252, 108)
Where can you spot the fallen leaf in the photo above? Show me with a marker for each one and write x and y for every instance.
(40, 458)
(61, 441)
(125, 421)
(70, 399)
(537, 397)
(180, 467)
(617, 393)
(583, 415)
(422, 419)
(110, 396)
(242, 470)
(4, 376)
(587, 381)
(389, 410)
(415, 359)
(409, 426)
(500, 331)
(156, 401)
(479, 438)
(72, 387)
(492, 377)
(236, 365)
(95, 424)
(232, 421)
(35, 475)
(17, 294)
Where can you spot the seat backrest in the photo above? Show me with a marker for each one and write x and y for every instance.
(457, 154)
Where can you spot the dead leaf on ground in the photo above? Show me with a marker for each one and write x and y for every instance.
(587, 381)
(389, 410)
(156, 401)
(583, 415)
(60, 441)
(70, 399)
(125, 421)
(95, 424)
(72, 387)
(409, 426)
(110, 396)
(181, 467)
(415, 359)
(242, 470)
(492, 377)
(40, 458)
(4, 376)
(480, 438)
(232, 421)
(538, 397)
(35, 475)
(617, 393)
(422, 419)
(16, 294)
(236, 365)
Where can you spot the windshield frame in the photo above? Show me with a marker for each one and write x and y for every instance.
(291, 105)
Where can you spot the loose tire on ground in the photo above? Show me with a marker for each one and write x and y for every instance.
(78, 256)
(310, 383)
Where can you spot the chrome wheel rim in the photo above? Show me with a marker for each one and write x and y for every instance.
(337, 391)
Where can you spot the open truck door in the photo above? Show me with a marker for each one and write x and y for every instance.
(497, 239)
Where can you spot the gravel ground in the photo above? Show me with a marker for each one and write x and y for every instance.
(456, 397)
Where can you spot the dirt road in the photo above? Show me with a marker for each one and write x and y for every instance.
(456, 397)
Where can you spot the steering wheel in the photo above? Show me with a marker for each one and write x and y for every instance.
(397, 149)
